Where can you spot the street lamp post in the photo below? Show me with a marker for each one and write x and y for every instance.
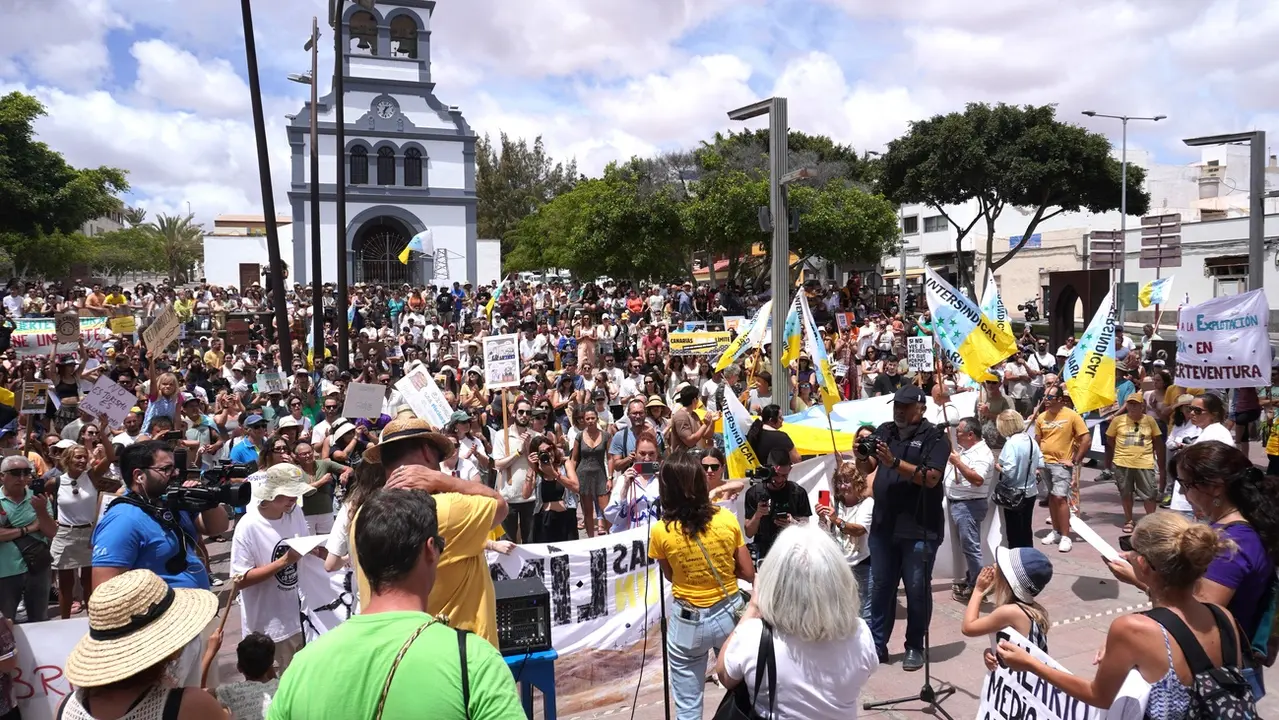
(1256, 140)
(268, 197)
(778, 149)
(317, 250)
(1123, 203)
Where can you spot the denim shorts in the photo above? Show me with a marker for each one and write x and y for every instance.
(1057, 478)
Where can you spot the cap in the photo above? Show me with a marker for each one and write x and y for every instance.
(1026, 569)
(283, 479)
(239, 365)
(459, 416)
(1135, 397)
(288, 421)
(252, 420)
(64, 444)
(908, 395)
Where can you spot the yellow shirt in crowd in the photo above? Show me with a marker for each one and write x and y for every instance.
(213, 358)
(1134, 441)
(463, 589)
(691, 578)
(1057, 435)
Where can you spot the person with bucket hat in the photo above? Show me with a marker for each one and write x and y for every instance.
(124, 666)
(264, 563)
(1018, 576)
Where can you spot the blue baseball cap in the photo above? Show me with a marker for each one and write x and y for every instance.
(1026, 569)
(252, 420)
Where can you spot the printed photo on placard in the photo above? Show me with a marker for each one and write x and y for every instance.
(501, 361)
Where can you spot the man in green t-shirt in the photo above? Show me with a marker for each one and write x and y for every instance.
(341, 674)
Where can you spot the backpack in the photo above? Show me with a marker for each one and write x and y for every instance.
(1215, 692)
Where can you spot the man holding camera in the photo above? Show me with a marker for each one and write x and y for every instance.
(774, 504)
(906, 529)
(139, 530)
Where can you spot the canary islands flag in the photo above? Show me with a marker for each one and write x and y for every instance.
(1090, 370)
(817, 351)
(488, 309)
(1155, 292)
(794, 336)
(423, 242)
(748, 338)
(968, 337)
(992, 306)
(739, 453)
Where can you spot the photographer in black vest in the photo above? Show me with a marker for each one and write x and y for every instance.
(908, 455)
(774, 504)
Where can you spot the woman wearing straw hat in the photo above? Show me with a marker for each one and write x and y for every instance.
(122, 669)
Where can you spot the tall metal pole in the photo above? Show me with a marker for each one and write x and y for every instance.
(339, 98)
(778, 151)
(268, 197)
(317, 248)
(1123, 224)
(1257, 210)
(901, 268)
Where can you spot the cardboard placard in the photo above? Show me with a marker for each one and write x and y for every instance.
(35, 398)
(123, 325)
(40, 681)
(162, 331)
(108, 398)
(734, 322)
(237, 332)
(424, 396)
(700, 343)
(919, 353)
(67, 328)
(271, 382)
(501, 361)
(843, 321)
(363, 400)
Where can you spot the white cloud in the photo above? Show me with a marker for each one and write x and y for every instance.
(177, 79)
(57, 41)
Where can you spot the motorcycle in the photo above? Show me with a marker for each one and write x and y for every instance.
(1030, 311)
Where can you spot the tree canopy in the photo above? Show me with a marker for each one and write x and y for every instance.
(513, 180)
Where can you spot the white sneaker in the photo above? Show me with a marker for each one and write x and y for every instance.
(1064, 545)
(1052, 538)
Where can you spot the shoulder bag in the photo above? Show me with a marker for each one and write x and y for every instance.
(739, 703)
(35, 552)
(1011, 491)
(739, 603)
(466, 673)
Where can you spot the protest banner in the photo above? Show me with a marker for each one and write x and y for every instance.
(700, 343)
(108, 398)
(363, 400)
(501, 361)
(162, 331)
(1224, 342)
(35, 398)
(39, 681)
(424, 396)
(919, 353)
(36, 336)
(271, 382)
(123, 325)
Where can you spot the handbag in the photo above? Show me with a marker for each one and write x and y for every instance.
(1009, 493)
(739, 606)
(35, 552)
(739, 703)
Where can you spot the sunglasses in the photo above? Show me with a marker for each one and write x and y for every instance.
(19, 472)
(710, 467)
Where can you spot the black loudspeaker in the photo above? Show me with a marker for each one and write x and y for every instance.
(523, 616)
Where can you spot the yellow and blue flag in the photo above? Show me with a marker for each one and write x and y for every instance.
(748, 338)
(992, 306)
(1155, 292)
(423, 242)
(968, 337)
(794, 337)
(737, 451)
(1089, 374)
(821, 361)
(497, 292)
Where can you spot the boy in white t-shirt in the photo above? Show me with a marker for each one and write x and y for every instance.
(265, 564)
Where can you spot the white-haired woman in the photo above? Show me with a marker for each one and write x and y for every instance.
(824, 653)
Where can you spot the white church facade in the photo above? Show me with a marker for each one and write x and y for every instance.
(410, 166)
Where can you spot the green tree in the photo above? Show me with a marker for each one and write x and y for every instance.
(512, 180)
(42, 254)
(181, 244)
(1003, 155)
(130, 250)
(843, 224)
(42, 197)
(135, 216)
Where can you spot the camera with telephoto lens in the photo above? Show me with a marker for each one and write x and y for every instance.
(867, 446)
(220, 485)
(761, 474)
(544, 457)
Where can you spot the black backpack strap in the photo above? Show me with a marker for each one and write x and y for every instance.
(1196, 658)
(771, 660)
(466, 674)
(172, 704)
(1230, 655)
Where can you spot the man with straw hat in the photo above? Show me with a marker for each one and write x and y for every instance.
(410, 452)
(265, 564)
(138, 627)
(395, 659)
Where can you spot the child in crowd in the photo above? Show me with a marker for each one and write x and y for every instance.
(255, 659)
(1015, 580)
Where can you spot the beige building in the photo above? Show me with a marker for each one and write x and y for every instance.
(1025, 277)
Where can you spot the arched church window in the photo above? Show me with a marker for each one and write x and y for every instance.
(386, 166)
(403, 37)
(359, 166)
(363, 33)
(413, 167)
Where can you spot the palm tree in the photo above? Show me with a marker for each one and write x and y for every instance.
(181, 240)
(135, 216)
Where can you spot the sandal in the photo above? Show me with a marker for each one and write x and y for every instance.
(76, 607)
(1129, 527)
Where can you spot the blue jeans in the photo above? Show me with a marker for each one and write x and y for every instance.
(892, 563)
(687, 643)
(865, 587)
(968, 516)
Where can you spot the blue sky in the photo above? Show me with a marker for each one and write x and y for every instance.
(158, 86)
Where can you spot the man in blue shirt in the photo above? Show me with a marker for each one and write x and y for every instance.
(246, 449)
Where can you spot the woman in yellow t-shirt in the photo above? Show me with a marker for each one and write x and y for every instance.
(701, 550)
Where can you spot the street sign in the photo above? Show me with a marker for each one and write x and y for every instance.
(1161, 241)
(1105, 249)
(1161, 257)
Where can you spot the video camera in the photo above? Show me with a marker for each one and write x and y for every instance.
(220, 485)
(763, 473)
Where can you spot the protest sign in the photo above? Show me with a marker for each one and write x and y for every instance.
(424, 396)
(123, 325)
(694, 325)
(237, 331)
(363, 400)
(35, 398)
(734, 322)
(1224, 342)
(36, 336)
(67, 328)
(501, 361)
(108, 398)
(919, 353)
(162, 331)
(271, 382)
(843, 321)
(700, 343)
(39, 681)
